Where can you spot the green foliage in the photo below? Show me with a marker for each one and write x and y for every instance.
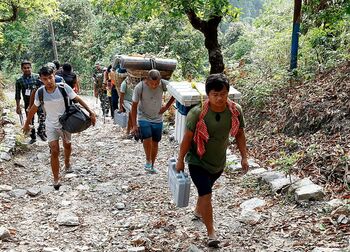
(326, 37)
(286, 161)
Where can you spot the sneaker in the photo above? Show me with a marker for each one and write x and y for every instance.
(148, 167)
(32, 141)
(42, 137)
(153, 170)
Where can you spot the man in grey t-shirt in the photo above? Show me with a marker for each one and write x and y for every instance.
(147, 104)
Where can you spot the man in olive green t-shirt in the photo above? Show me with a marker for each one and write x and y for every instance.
(205, 142)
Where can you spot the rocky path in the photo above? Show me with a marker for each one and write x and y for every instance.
(110, 204)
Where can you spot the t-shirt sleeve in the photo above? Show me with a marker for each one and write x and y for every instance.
(192, 118)
(123, 87)
(137, 92)
(70, 93)
(241, 116)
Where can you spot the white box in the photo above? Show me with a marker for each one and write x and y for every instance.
(180, 125)
(184, 93)
(179, 184)
(188, 96)
(120, 118)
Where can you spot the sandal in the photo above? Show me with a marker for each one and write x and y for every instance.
(213, 243)
(57, 185)
(196, 216)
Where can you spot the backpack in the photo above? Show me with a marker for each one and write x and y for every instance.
(73, 120)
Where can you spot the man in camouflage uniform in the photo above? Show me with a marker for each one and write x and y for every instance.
(100, 88)
(25, 85)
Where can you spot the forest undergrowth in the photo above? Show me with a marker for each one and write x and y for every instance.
(305, 130)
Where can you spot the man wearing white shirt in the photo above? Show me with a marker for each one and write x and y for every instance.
(54, 107)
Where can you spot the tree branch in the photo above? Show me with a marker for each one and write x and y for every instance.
(14, 16)
(195, 21)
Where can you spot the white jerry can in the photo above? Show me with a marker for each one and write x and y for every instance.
(120, 118)
(179, 184)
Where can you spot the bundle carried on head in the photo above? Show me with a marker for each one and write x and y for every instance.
(137, 67)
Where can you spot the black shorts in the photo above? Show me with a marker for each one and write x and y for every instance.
(202, 179)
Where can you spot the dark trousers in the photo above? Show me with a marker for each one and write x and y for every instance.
(32, 132)
(114, 101)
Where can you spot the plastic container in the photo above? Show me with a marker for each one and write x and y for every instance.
(179, 185)
(121, 119)
(187, 96)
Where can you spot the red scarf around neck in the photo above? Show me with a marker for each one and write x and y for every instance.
(201, 135)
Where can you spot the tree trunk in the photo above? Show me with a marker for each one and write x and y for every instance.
(210, 31)
(295, 35)
(53, 39)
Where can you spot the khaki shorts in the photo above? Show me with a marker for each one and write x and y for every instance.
(55, 134)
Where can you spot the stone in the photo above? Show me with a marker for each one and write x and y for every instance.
(249, 216)
(18, 193)
(51, 250)
(278, 184)
(70, 175)
(342, 219)
(271, 175)
(253, 203)
(67, 218)
(257, 171)
(33, 192)
(309, 192)
(4, 233)
(253, 164)
(334, 203)
(320, 249)
(5, 188)
(5, 156)
(136, 249)
(193, 248)
(120, 206)
(300, 183)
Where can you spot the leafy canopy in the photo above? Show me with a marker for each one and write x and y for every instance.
(148, 9)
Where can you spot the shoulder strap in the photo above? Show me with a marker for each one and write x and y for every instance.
(141, 91)
(64, 94)
(163, 85)
(41, 95)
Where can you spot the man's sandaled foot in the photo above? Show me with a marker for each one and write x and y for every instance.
(213, 243)
(68, 169)
(56, 185)
(196, 216)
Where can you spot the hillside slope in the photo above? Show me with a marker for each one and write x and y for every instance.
(306, 129)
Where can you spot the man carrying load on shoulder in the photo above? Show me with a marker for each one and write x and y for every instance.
(147, 105)
(54, 106)
(205, 143)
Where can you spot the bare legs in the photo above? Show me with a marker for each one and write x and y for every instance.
(151, 150)
(55, 163)
(205, 210)
(55, 151)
